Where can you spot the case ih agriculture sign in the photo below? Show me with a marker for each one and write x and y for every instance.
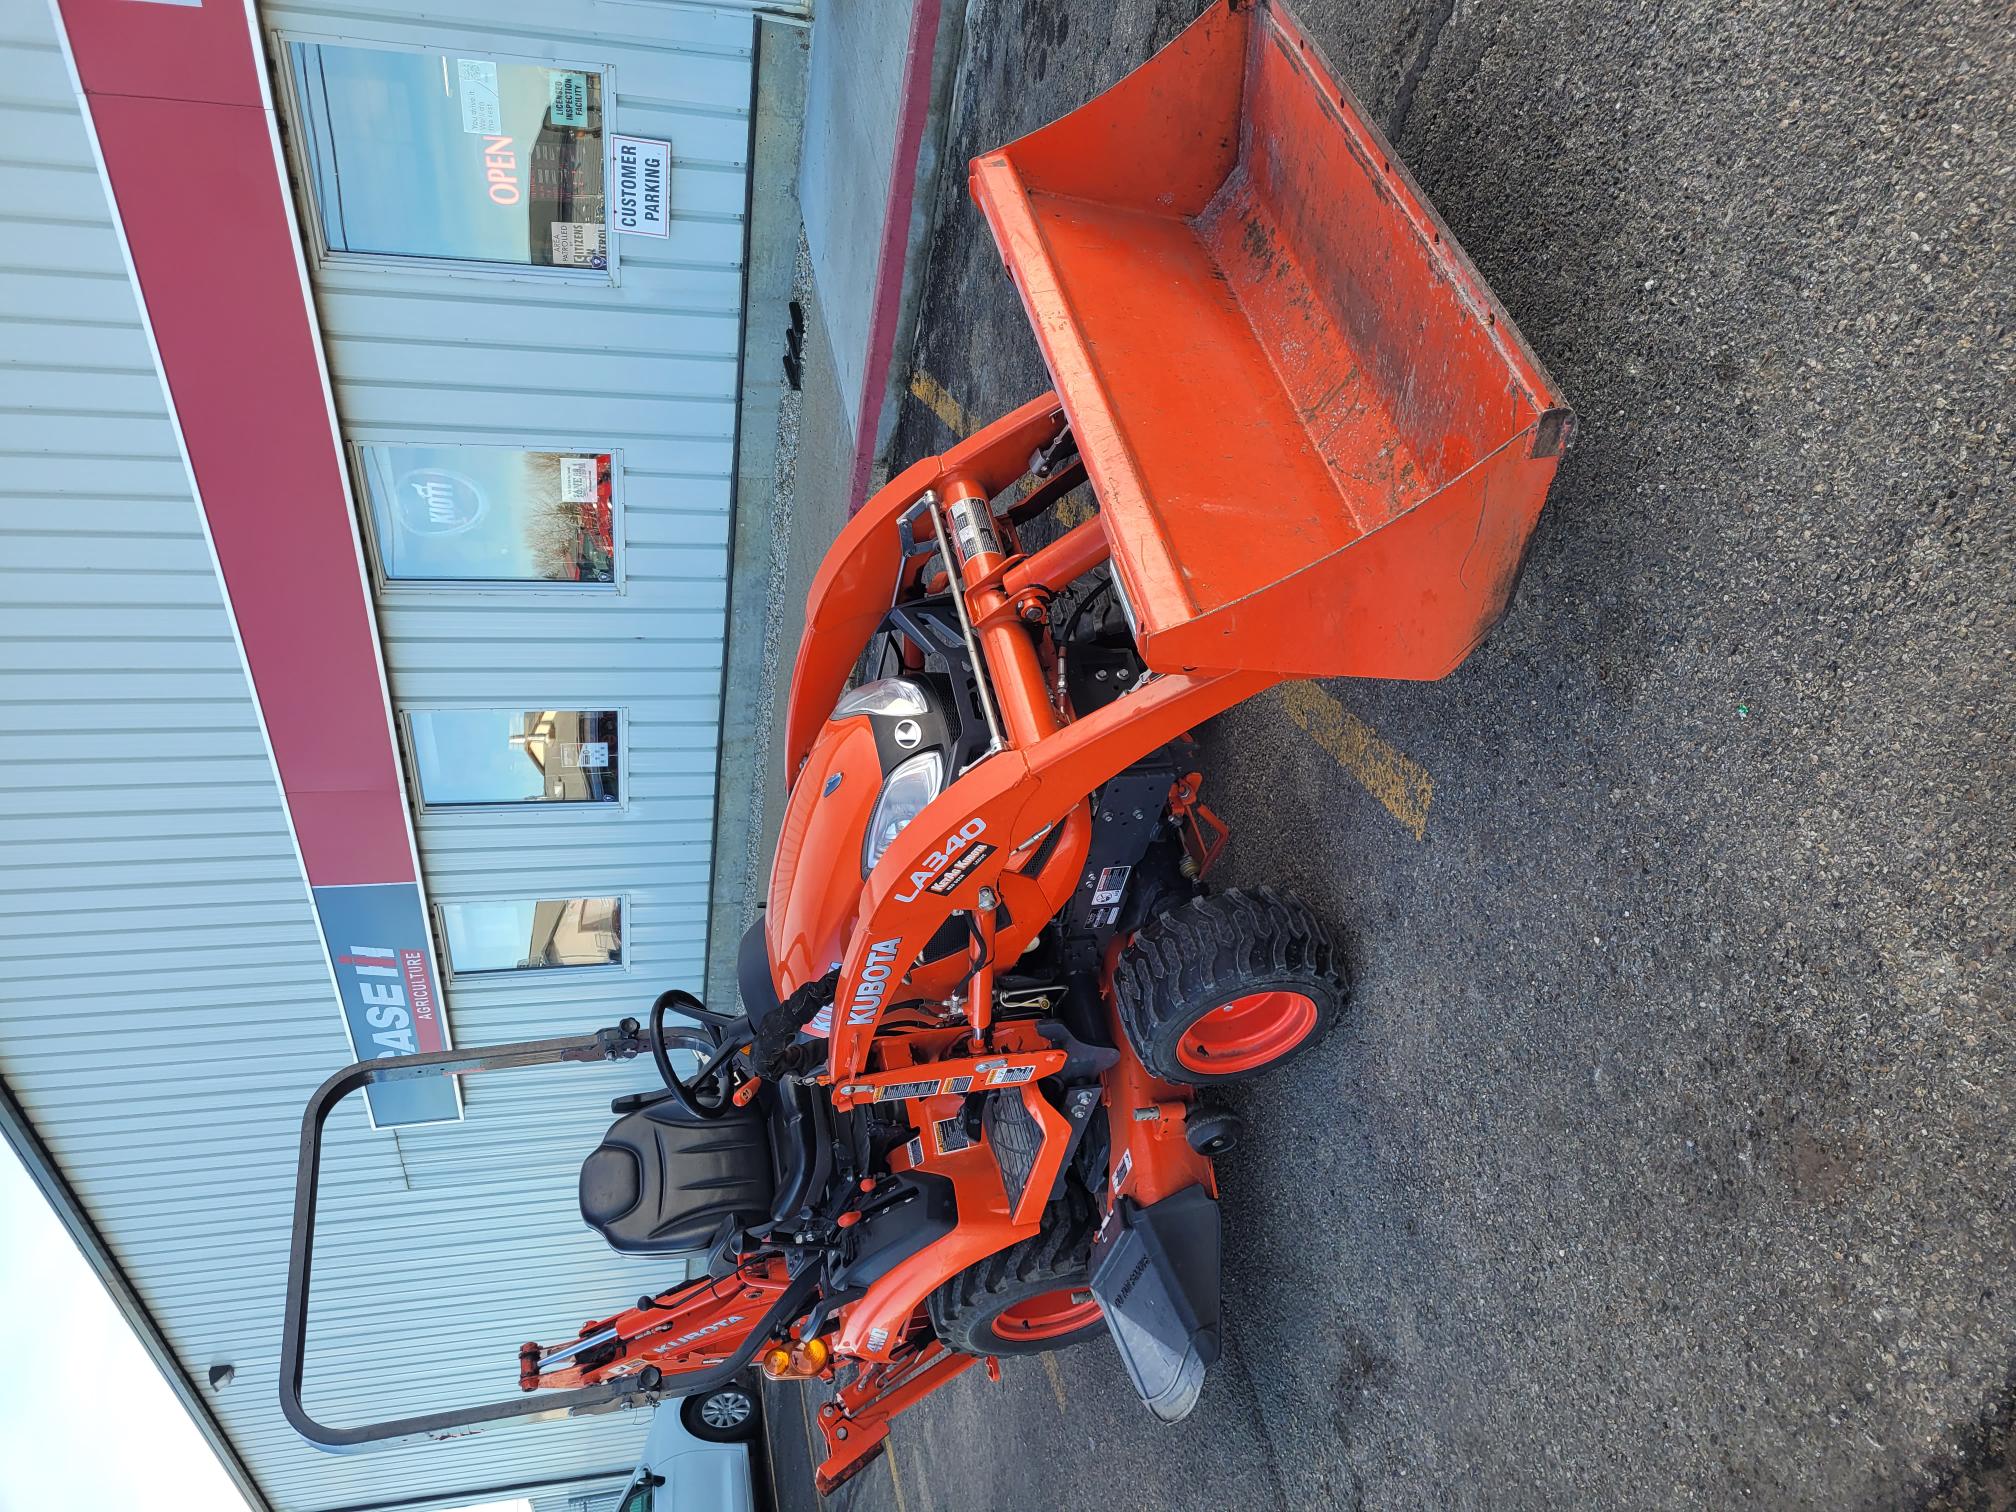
(377, 937)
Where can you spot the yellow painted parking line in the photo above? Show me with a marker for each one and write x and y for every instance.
(1056, 1381)
(1403, 789)
(931, 394)
(895, 1477)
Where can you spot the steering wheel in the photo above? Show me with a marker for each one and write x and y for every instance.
(712, 1075)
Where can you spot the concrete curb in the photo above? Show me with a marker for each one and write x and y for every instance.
(776, 129)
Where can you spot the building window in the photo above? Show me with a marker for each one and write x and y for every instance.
(445, 155)
(471, 515)
(464, 758)
(488, 935)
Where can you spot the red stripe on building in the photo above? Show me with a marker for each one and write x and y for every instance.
(174, 93)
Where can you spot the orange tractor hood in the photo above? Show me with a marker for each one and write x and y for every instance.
(815, 880)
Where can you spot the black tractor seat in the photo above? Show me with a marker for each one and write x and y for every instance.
(663, 1181)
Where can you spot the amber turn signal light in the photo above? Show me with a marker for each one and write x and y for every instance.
(788, 1362)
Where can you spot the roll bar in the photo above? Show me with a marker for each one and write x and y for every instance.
(625, 1042)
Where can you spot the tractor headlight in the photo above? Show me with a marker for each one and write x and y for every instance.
(912, 785)
(890, 695)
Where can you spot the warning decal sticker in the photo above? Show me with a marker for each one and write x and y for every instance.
(902, 1091)
(1112, 886)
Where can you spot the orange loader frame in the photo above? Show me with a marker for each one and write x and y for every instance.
(1003, 806)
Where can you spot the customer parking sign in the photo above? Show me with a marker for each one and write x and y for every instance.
(640, 189)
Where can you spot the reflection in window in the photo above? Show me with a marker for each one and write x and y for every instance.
(489, 514)
(432, 154)
(545, 934)
(474, 756)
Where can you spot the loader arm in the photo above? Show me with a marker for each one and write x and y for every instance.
(857, 582)
(1004, 802)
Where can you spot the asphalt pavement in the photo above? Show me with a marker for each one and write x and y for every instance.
(1667, 1158)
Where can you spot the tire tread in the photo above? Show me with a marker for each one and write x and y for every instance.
(1060, 1250)
(1206, 951)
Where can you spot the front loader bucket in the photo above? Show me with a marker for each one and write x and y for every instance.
(1319, 443)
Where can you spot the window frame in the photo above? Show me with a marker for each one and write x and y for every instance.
(354, 446)
(439, 907)
(411, 754)
(297, 131)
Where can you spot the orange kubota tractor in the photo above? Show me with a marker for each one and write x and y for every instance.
(965, 1109)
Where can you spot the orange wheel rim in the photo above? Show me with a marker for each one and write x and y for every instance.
(1048, 1315)
(1247, 1033)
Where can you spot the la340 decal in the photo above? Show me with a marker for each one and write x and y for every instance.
(928, 874)
(939, 874)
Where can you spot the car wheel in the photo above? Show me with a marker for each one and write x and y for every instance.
(726, 1415)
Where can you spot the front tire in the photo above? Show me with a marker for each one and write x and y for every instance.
(1032, 1297)
(726, 1415)
(1229, 985)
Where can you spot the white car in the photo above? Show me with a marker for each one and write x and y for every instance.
(696, 1457)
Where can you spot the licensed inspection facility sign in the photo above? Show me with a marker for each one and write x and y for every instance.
(642, 191)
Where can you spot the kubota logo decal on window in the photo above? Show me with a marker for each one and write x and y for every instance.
(939, 859)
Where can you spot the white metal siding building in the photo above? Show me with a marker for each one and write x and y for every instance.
(644, 369)
(165, 999)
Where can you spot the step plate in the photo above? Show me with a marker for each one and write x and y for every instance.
(1155, 1272)
(1015, 1138)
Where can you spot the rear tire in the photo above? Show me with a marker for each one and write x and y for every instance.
(1229, 985)
(726, 1415)
(1032, 1297)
